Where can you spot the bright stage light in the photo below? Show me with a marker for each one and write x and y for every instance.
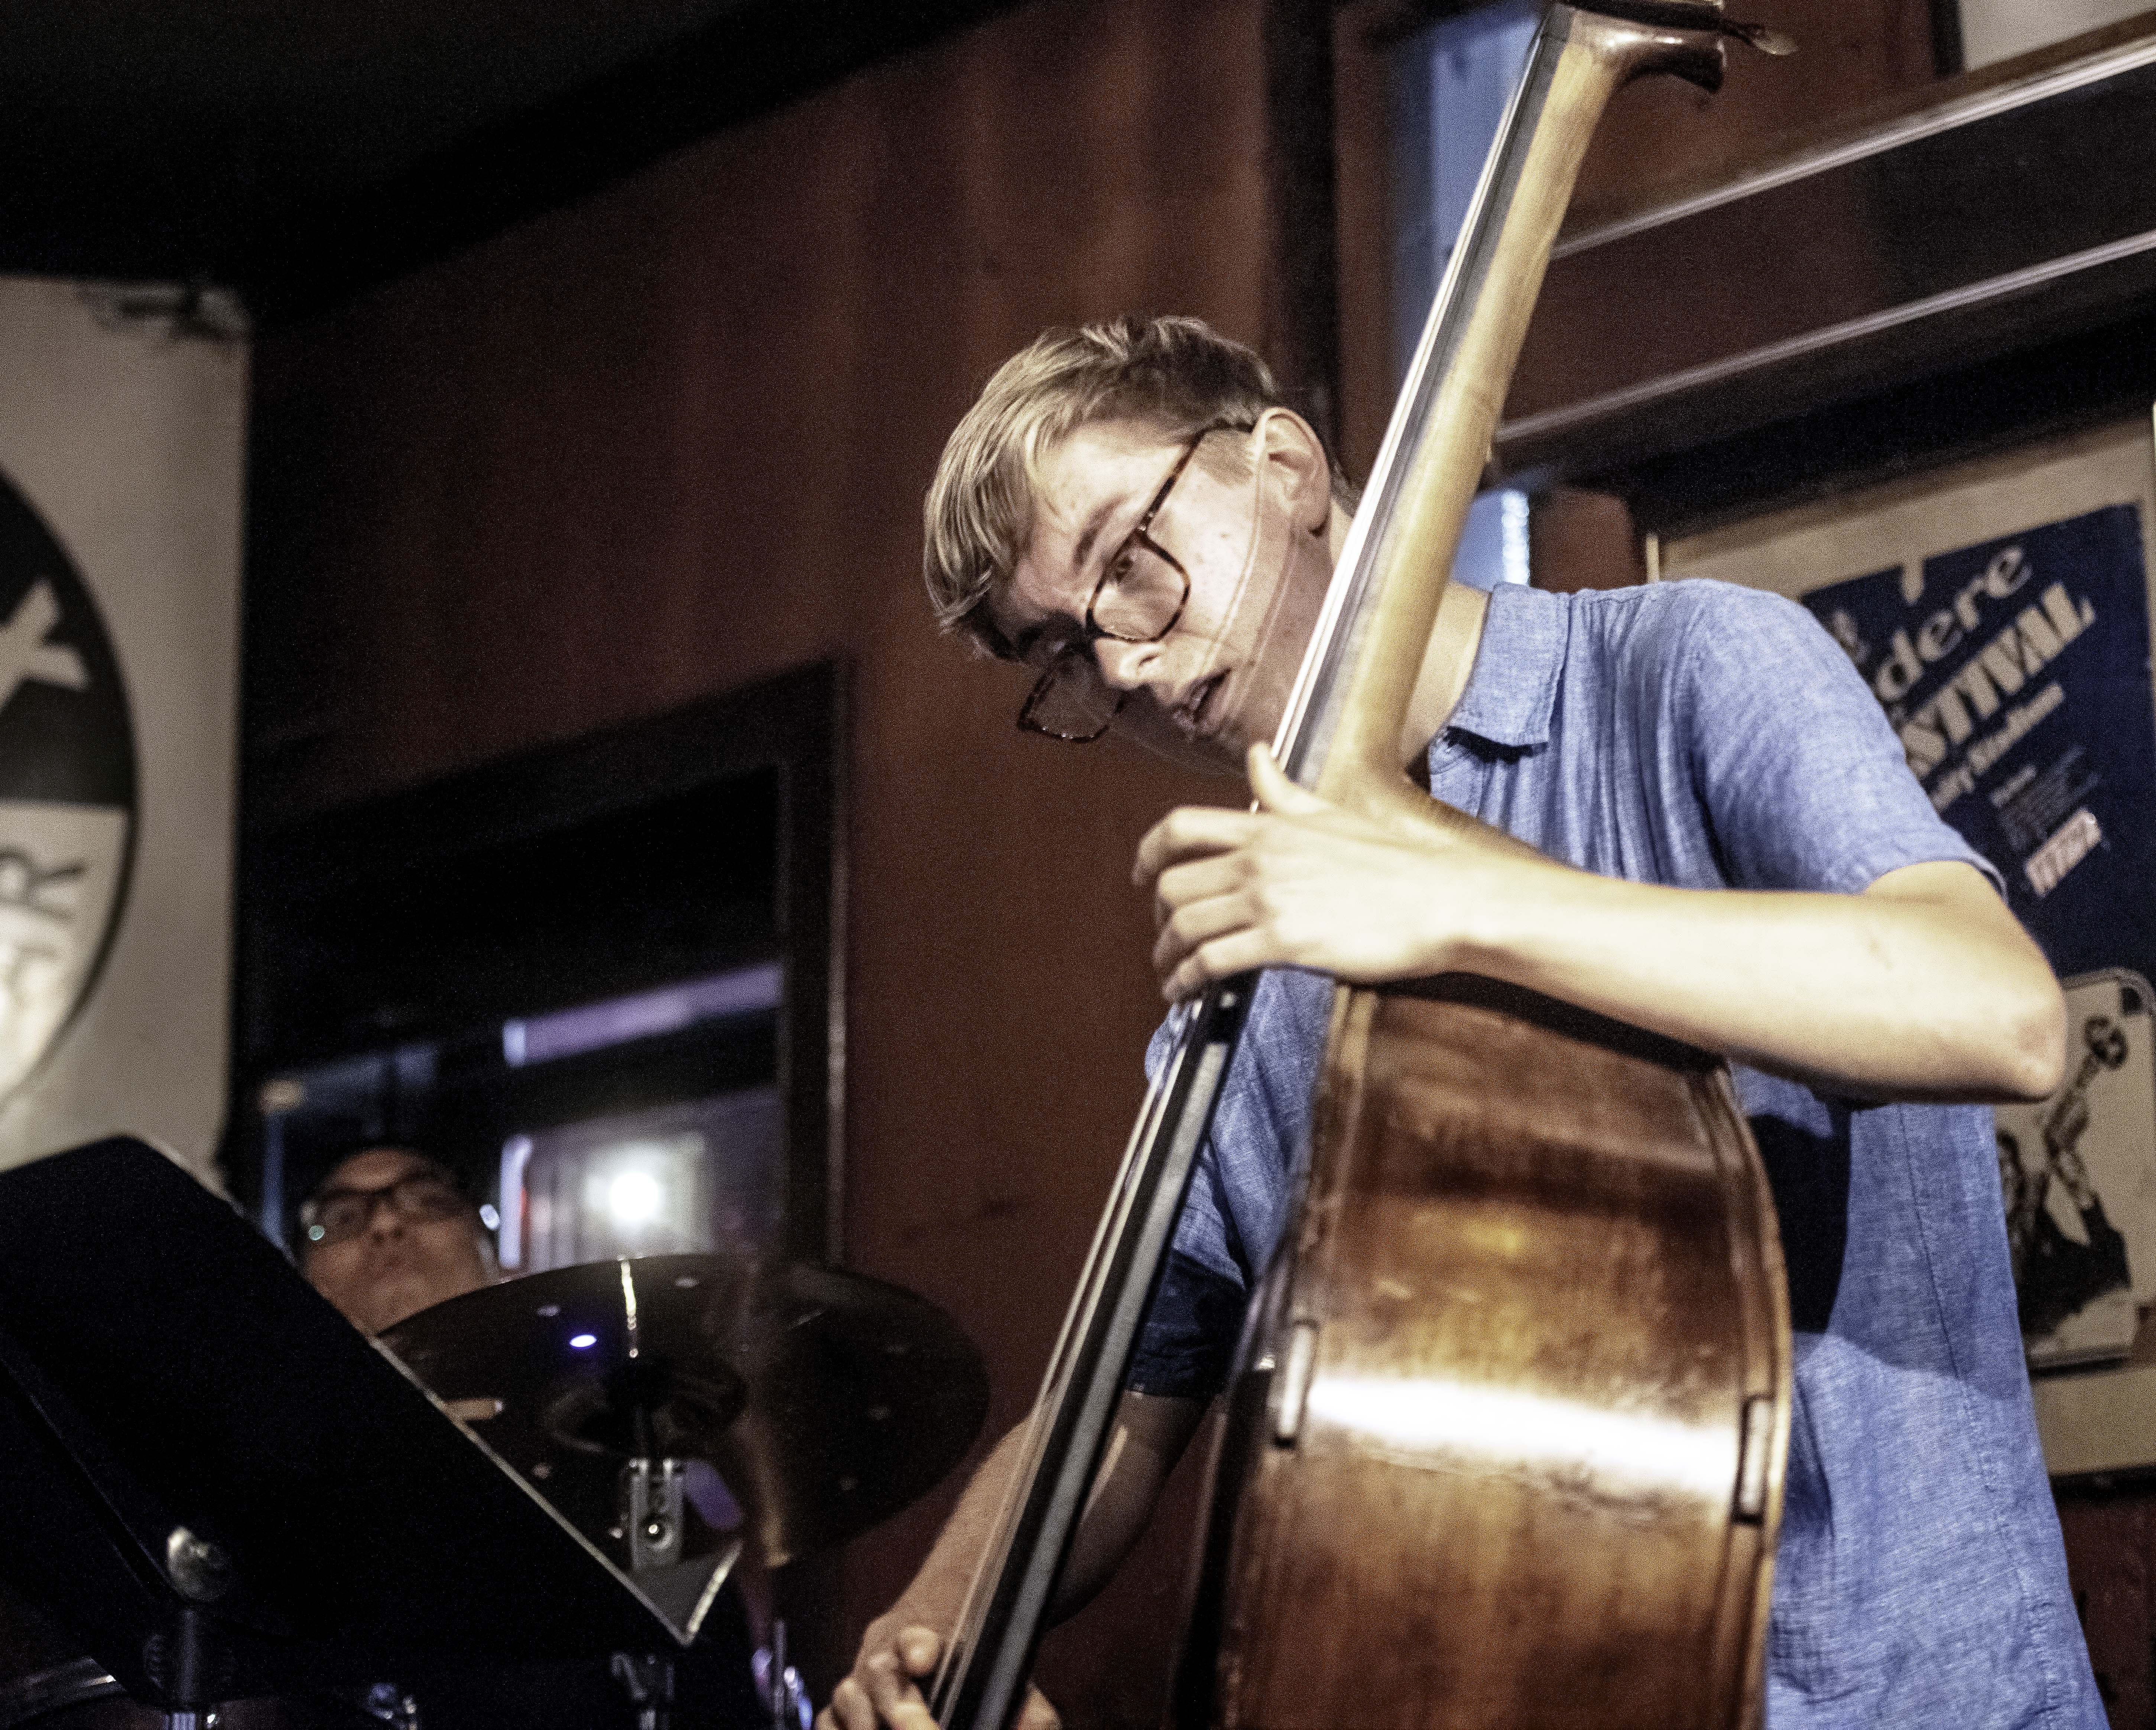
(635, 1199)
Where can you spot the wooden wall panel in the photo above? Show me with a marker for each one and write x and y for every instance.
(1363, 218)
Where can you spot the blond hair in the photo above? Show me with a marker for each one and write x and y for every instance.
(1176, 374)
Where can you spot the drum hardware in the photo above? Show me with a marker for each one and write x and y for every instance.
(780, 1686)
(46, 1683)
(652, 1488)
(188, 1662)
(653, 1522)
(227, 1494)
(682, 1410)
(200, 1571)
(823, 1400)
(652, 1500)
(188, 1670)
(649, 1682)
(653, 1514)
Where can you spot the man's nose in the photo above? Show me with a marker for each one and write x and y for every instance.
(385, 1219)
(1125, 667)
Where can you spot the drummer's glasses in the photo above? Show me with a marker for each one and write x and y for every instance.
(1143, 591)
(336, 1216)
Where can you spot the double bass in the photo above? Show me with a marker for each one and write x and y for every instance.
(1505, 1443)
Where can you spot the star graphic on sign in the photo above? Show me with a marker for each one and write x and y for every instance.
(24, 653)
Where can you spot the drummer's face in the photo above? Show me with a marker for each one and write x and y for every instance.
(396, 1267)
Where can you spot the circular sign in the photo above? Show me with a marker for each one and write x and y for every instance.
(66, 790)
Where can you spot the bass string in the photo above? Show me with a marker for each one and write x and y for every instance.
(1087, 1298)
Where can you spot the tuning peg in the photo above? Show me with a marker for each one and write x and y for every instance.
(1697, 15)
(1766, 41)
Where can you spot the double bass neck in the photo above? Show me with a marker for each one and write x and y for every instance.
(1341, 735)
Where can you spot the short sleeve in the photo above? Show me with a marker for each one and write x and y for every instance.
(1801, 775)
(1189, 1333)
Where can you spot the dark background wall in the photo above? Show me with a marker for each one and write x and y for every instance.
(673, 438)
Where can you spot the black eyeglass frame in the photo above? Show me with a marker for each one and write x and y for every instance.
(429, 1172)
(1141, 535)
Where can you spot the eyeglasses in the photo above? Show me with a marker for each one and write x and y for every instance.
(1143, 591)
(337, 1216)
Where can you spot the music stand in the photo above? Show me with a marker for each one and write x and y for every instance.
(228, 1490)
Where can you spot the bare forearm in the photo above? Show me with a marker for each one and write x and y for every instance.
(1149, 1437)
(937, 1592)
(1922, 986)
(1150, 1434)
(901, 1648)
(1895, 993)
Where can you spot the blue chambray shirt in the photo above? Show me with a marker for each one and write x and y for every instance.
(1705, 736)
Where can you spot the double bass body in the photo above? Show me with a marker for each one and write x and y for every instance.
(1507, 1452)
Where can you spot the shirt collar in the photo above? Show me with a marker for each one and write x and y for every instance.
(1512, 687)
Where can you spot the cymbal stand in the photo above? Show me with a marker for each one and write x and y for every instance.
(649, 1682)
(780, 1684)
(186, 1660)
(652, 1491)
(653, 1494)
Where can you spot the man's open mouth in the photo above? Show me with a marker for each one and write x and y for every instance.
(1192, 713)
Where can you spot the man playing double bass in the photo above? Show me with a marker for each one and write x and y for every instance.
(1732, 852)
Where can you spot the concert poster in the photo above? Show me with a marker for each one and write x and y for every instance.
(2079, 1185)
(2016, 671)
(1999, 609)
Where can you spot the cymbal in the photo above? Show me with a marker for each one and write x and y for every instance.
(824, 1400)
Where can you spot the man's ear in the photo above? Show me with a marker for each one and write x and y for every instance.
(1293, 453)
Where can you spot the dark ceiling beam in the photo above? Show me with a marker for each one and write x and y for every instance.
(754, 60)
(2081, 380)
